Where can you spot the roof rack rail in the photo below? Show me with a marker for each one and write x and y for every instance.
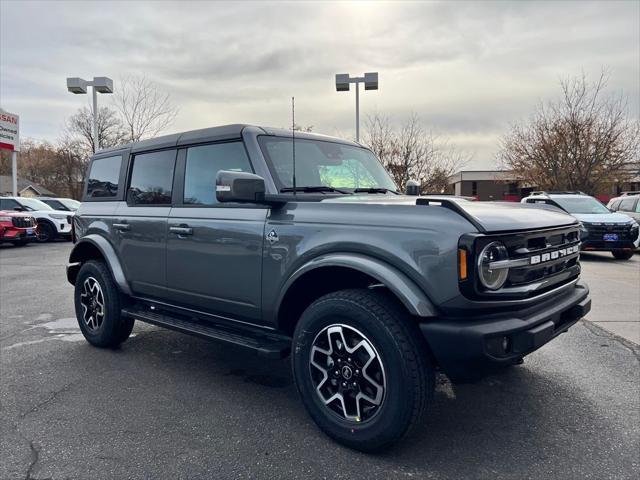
(630, 192)
(557, 192)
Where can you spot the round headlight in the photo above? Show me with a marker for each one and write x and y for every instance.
(493, 278)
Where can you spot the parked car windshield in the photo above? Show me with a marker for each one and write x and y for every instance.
(320, 163)
(71, 204)
(581, 205)
(33, 204)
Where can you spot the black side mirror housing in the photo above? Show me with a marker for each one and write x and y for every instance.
(239, 187)
(412, 188)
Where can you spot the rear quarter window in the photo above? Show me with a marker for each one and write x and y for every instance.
(103, 178)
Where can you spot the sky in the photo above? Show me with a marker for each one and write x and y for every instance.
(467, 69)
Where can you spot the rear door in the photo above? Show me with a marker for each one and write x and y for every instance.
(214, 251)
(140, 222)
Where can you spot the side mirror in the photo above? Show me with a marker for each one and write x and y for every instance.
(19, 209)
(412, 188)
(239, 187)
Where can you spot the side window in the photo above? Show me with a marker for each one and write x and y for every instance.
(204, 163)
(8, 204)
(103, 177)
(626, 205)
(152, 178)
(614, 205)
(638, 206)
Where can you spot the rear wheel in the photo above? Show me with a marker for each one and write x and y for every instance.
(98, 304)
(362, 368)
(46, 233)
(622, 254)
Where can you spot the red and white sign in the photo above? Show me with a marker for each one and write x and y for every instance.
(9, 131)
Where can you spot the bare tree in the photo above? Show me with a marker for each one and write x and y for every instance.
(145, 110)
(57, 167)
(110, 129)
(583, 141)
(412, 153)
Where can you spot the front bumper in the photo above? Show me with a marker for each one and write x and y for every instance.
(601, 246)
(63, 228)
(470, 347)
(18, 235)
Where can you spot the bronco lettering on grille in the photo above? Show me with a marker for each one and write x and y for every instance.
(545, 257)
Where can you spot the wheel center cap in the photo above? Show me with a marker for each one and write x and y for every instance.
(347, 373)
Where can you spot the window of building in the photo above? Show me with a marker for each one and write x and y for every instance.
(204, 163)
(474, 188)
(152, 178)
(103, 177)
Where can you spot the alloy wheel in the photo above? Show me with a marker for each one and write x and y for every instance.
(347, 373)
(92, 301)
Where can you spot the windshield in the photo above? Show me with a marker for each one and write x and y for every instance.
(55, 204)
(581, 205)
(33, 204)
(70, 203)
(320, 163)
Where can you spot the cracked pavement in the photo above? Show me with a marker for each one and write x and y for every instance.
(170, 406)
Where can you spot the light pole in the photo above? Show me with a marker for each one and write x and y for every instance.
(100, 85)
(343, 83)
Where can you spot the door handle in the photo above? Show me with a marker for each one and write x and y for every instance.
(122, 227)
(182, 230)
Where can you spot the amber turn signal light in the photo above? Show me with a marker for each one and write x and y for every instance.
(462, 263)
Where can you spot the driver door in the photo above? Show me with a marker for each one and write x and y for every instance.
(214, 250)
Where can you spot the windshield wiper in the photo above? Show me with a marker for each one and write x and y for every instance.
(313, 188)
(375, 190)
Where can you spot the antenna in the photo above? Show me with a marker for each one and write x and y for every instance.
(293, 132)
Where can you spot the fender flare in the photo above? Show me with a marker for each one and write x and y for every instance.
(407, 291)
(108, 253)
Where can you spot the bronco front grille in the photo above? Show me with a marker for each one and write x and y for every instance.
(548, 253)
(23, 222)
(538, 261)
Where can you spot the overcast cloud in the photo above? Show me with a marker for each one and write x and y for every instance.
(467, 69)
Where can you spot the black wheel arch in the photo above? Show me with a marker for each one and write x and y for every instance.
(330, 273)
(96, 247)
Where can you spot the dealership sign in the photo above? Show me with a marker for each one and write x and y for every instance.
(9, 131)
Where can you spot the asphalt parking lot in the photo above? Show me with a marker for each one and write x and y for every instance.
(171, 406)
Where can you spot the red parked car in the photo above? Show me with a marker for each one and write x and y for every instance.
(17, 228)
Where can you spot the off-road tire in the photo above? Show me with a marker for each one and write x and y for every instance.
(408, 370)
(114, 328)
(621, 254)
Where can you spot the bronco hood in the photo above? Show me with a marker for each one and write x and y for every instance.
(485, 216)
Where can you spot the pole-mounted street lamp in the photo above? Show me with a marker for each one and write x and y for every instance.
(100, 85)
(343, 83)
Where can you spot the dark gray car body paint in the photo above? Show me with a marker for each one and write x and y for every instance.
(227, 269)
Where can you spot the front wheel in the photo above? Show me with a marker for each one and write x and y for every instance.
(97, 302)
(362, 368)
(46, 232)
(622, 254)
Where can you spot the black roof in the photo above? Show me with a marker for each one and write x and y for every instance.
(212, 134)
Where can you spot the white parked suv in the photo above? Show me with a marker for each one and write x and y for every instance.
(51, 223)
(601, 229)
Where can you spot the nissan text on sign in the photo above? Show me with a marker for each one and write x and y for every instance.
(9, 131)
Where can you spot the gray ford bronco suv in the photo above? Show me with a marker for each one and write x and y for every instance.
(368, 290)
